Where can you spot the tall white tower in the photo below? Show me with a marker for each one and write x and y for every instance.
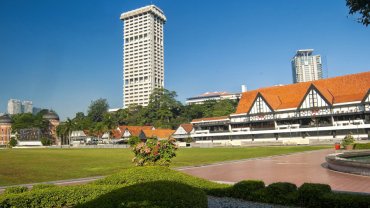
(306, 67)
(143, 54)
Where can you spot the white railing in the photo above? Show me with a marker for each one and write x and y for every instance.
(201, 132)
(350, 122)
(241, 129)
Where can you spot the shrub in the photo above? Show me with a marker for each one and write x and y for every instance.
(244, 189)
(152, 194)
(133, 140)
(61, 196)
(42, 186)
(344, 200)
(45, 141)
(15, 190)
(310, 194)
(154, 152)
(348, 140)
(160, 193)
(361, 146)
(277, 193)
(13, 142)
(136, 175)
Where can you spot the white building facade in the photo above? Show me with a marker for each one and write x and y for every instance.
(143, 54)
(14, 106)
(304, 113)
(306, 66)
(27, 107)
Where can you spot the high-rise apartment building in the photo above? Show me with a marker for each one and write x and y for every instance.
(27, 107)
(306, 67)
(14, 106)
(143, 54)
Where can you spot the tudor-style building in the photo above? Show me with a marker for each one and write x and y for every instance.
(305, 112)
(183, 132)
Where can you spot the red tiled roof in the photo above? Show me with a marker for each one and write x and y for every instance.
(340, 89)
(159, 133)
(134, 130)
(210, 119)
(187, 127)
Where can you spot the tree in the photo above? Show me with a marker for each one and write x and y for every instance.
(224, 107)
(163, 107)
(97, 109)
(13, 142)
(27, 120)
(362, 7)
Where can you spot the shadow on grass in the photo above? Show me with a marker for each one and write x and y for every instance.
(151, 194)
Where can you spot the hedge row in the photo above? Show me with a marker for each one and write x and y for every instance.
(136, 187)
(163, 187)
(150, 194)
(361, 146)
(307, 195)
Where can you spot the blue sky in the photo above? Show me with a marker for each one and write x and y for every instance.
(64, 54)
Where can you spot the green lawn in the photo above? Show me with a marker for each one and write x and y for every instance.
(18, 166)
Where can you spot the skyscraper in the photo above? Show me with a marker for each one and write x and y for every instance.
(14, 106)
(143, 54)
(27, 107)
(306, 67)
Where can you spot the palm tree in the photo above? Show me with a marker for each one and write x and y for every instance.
(69, 127)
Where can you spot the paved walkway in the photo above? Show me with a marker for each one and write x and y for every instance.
(295, 168)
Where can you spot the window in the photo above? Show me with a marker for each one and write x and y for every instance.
(312, 96)
(259, 105)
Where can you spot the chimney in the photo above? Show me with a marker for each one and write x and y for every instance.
(244, 88)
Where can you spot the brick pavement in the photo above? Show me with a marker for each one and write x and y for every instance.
(295, 168)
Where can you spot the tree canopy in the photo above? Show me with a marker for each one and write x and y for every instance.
(362, 7)
(163, 111)
(97, 109)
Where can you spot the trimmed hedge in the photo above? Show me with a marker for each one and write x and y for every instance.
(244, 189)
(135, 187)
(277, 193)
(156, 173)
(163, 187)
(42, 186)
(311, 194)
(361, 146)
(15, 190)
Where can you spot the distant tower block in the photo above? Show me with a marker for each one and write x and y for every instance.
(306, 67)
(143, 54)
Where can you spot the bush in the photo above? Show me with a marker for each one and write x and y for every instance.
(154, 152)
(13, 142)
(152, 194)
(45, 141)
(244, 189)
(133, 140)
(277, 193)
(137, 175)
(15, 190)
(348, 140)
(61, 196)
(135, 187)
(361, 146)
(42, 186)
(310, 194)
(344, 200)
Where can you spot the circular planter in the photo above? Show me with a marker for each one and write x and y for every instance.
(346, 162)
(348, 147)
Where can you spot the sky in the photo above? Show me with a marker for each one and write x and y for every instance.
(63, 54)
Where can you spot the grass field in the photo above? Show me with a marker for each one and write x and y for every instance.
(19, 166)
